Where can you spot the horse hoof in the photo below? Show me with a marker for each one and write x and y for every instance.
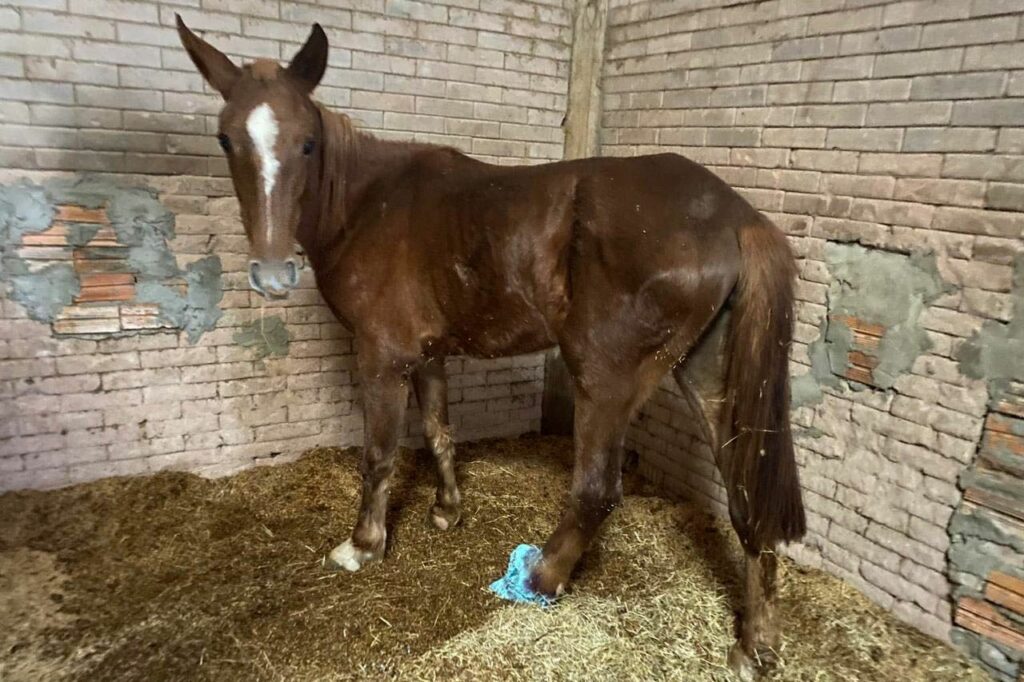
(348, 557)
(444, 519)
(742, 666)
(543, 580)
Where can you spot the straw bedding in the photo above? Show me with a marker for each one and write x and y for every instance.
(176, 577)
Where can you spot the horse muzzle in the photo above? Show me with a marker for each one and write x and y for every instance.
(273, 279)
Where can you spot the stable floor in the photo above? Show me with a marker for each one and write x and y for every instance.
(173, 577)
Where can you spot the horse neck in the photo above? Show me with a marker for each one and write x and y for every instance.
(351, 162)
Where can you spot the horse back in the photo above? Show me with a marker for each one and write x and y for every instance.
(473, 258)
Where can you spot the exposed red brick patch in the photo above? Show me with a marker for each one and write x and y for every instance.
(142, 316)
(114, 292)
(56, 235)
(44, 253)
(983, 618)
(79, 214)
(105, 236)
(1006, 590)
(858, 325)
(87, 326)
(1004, 440)
(107, 279)
(1011, 405)
(862, 359)
(1003, 504)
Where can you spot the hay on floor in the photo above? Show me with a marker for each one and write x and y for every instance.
(176, 577)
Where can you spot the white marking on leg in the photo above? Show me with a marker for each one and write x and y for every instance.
(439, 521)
(349, 557)
(262, 128)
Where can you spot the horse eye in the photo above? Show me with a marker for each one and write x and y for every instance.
(307, 148)
(225, 142)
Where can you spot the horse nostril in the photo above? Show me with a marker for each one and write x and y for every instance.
(254, 275)
(293, 272)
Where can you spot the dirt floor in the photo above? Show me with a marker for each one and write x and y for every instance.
(172, 577)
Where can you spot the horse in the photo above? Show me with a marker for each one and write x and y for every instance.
(622, 263)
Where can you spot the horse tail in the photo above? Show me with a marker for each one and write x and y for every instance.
(759, 466)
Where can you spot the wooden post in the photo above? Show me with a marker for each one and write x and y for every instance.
(582, 127)
(583, 118)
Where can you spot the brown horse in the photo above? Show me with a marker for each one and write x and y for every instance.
(424, 252)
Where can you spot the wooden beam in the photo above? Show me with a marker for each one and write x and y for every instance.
(582, 126)
(583, 118)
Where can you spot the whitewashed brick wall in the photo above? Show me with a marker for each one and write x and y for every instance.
(895, 124)
(104, 86)
(76, 409)
(898, 125)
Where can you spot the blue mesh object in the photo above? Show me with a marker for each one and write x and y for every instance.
(514, 585)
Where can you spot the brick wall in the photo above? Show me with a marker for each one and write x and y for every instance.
(893, 126)
(103, 86)
(79, 408)
(862, 127)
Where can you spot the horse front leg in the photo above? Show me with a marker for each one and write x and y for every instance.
(385, 393)
(431, 386)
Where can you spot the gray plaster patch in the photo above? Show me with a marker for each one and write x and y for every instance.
(151, 259)
(90, 191)
(995, 352)
(24, 208)
(996, 658)
(266, 336)
(980, 540)
(137, 214)
(981, 543)
(197, 309)
(144, 225)
(140, 222)
(806, 389)
(167, 297)
(879, 287)
(883, 288)
(80, 234)
(46, 291)
(203, 296)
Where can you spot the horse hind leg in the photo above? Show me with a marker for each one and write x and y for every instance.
(759, 637)
(601, 420)
(701, 379)
(607, 396)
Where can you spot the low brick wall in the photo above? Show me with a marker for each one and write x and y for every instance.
(885, 138)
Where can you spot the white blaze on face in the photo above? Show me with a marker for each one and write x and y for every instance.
(262, 128)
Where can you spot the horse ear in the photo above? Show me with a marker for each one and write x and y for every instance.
(309, 64)
(216, 68)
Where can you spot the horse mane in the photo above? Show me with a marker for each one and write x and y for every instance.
(350, 160)
(339, 147)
